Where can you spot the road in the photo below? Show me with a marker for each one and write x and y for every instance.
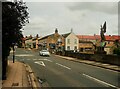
(58, 72)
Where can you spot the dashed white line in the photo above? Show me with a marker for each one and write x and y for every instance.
(47, 60)
(64, 66)
(100, 81)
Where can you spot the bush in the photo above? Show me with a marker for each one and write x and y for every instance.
(116, 51)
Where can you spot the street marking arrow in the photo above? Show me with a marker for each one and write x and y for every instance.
(40, 63)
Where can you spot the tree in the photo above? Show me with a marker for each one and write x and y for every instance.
(14, 17)
(116, 49)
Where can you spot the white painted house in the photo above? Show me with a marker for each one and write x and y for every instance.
(71, 42)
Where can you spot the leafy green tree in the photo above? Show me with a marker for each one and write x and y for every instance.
(116, 49)
(14, 16)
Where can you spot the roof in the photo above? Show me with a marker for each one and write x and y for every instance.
(46, 36)
(94, 37)
(112, 38)
(88, 37)
(65, 35)
(86, 42)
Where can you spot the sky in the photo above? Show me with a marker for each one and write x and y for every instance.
(85, 18)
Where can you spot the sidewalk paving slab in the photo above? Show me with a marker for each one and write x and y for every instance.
(17, 76)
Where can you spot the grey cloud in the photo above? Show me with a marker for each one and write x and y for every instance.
(105, 7)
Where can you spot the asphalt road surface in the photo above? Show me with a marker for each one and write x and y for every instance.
(58, 72)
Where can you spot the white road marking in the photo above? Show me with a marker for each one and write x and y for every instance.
(63, 66)
(40, 63)
(22, 55)
(46, 60)
(100, 81)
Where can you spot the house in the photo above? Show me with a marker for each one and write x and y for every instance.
(31, 42)
(87, 43)
(110, 43)
(71, 42)
(49, 42)
(28, 42)
(59, 42)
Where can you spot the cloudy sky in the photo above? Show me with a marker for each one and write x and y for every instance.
(84, 18)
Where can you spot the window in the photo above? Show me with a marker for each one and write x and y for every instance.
(75, 47)
(68, 41)
(75, 41)
(68, 47)
(81, 49)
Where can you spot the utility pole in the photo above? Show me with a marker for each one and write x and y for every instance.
(13, 53)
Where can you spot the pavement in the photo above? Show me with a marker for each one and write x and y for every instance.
(98, 64)
(20, 75)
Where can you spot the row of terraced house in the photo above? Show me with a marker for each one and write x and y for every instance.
(70, 42)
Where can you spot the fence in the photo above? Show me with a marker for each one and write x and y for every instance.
(110, 59)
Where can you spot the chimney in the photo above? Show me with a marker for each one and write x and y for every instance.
(71, 30)
(56, 31)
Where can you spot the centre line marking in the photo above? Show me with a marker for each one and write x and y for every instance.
(100, 81)
(63, 66)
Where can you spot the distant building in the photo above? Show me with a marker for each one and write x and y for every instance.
(49, 42)
(71, 42)
(31, 42)
(59, 42)
(110, 43)
(88, 44)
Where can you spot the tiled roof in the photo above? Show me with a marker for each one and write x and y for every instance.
(88, 37)
(112, 38)
(108, 37)
(46, 36)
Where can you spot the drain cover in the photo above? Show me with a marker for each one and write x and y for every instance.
(15, 84)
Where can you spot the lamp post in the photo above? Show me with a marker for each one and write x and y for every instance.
(13, 52)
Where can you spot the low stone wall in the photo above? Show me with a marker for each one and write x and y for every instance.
(110, 59)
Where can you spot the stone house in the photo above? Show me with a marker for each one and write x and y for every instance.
(110, 43)
(87, 43)
(49, 42)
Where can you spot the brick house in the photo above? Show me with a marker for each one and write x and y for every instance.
(49, 42)
(87, 43)
(110, 43)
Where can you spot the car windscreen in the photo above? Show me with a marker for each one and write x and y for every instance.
(44, 51)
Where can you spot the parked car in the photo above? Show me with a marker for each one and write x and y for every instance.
(44, 53)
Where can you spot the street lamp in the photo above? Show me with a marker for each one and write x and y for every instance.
(13, 52)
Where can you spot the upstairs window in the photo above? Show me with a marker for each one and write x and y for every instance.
(75, 41)
(68, 41)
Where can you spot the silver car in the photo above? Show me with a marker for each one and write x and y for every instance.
(44, 53)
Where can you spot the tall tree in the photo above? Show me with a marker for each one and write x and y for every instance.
(14, 17)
